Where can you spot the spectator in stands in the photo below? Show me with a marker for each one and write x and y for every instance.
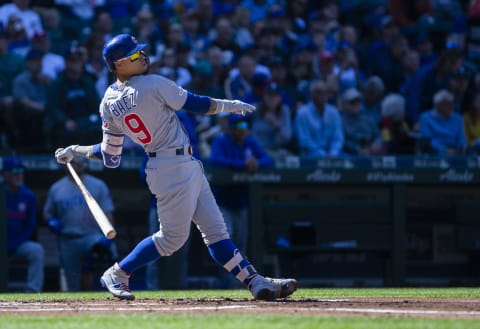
(202, 82)
(327, 64)
(220, 68)
(259, 85)
(192, 34)
(384, 28)
(279, 76)
(349, 73)
(29, 19)
(146, 30)
(436, 77)
(21, 221)
(30, 93)
(223, 36)
(362, 135)
(240, 151)
(372, 91)
(170, 69)
(102, 24)
(241, 25)
(471, 121)
(411, 85)
(83, 249)
(271, 123)
(386, 61)
(424, 46)
(238, 86)
(318, 125)
(396, 134)
(302, 70)
(52, 63)
(277, 19)
(333, 89)
(441, 129)
(12, 65)
(58, 38)
(122, 12)
(18, 41)
(258, 8)
(72, 103)
(406, 13)
(175, 35)
(77, 16)
(95, 65)
(458, 84)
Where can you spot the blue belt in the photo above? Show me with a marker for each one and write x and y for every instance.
(178, 151)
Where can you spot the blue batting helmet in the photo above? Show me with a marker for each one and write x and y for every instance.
(121, 46)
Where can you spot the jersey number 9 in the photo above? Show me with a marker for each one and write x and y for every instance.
(137, 126)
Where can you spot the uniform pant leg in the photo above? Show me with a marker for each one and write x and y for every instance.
(208, 217)
(176, 190)
(35, 254)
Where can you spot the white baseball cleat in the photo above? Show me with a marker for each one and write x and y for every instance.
(264, 288)
(116, 281)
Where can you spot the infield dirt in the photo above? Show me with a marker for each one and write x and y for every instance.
(398, 307)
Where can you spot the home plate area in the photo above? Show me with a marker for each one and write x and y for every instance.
(396, 307)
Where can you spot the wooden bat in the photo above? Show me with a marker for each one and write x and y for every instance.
(97, 212)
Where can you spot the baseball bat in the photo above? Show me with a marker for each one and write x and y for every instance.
(97, 212)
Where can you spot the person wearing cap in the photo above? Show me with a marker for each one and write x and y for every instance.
(72, 103)
(29, 18)
(362, 135)
(272, 123)
(21, 219)
(238, 150)
(318, 125)
(458, 84)
(30, 92)
(52, 63)
(82, 247)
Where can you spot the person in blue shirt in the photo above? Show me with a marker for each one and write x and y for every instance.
(318, 125)
(441, 129)
(237, 150)
(21, 218)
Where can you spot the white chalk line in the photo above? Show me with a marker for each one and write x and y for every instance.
(123, 308)
(394, 311)
(18, 307)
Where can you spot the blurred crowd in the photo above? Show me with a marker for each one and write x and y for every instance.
(329, 78)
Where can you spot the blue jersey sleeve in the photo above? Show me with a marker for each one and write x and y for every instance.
(197, 103)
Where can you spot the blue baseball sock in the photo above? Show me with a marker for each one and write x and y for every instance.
(143, 253)
(227, 255)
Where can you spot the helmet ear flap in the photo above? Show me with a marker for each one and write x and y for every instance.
(110, 65)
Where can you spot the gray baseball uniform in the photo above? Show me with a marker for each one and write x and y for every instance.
(143, 109)
(79, 230)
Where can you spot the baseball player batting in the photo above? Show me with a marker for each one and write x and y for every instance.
(142, 106)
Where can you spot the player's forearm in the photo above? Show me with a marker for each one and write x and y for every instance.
(213, 107)
(88, 151)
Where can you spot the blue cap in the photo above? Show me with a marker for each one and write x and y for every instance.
(13, 164)
(237, 121)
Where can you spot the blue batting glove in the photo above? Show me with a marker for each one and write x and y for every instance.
(54, 224)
